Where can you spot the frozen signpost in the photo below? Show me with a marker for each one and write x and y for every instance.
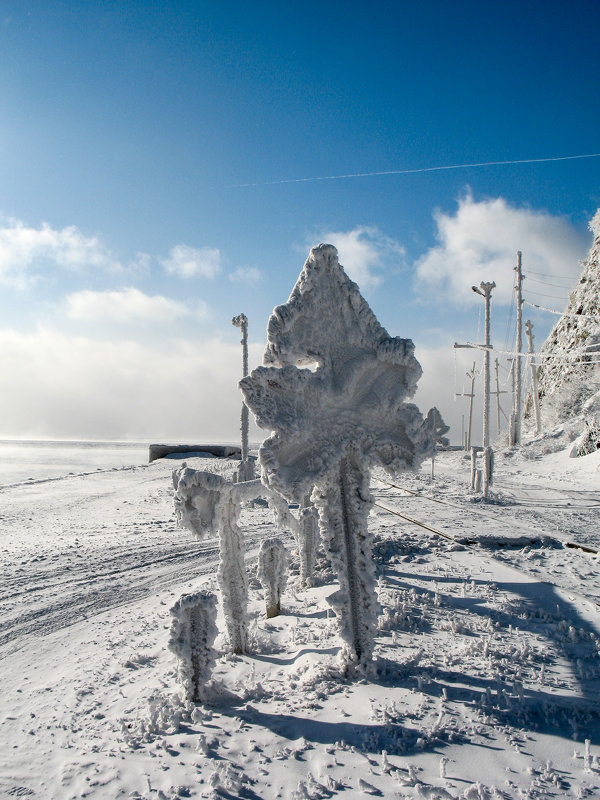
(332, 423)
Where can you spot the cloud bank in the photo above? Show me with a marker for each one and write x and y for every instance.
(479, 243)
(123, 306)
(60, 386)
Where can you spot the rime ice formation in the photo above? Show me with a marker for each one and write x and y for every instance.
(208, 504)
(192, 635)
(272, 572)
(331, 424)
(567, 386)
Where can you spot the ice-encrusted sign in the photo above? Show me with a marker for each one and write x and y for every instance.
(331, 423)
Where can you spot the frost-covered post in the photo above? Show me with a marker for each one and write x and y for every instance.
(331, 424)
(534, 383)
(471, 395)
(485, 290)
(514, 428)
(208, 504)
(192, 635)
(272, 572)
(246, 468)
(308, 540)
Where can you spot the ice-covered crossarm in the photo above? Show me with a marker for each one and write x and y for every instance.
(331, 423)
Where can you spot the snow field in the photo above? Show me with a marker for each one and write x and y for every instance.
(485, 685)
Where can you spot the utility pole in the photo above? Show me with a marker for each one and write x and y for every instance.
(246, 468)
(534, 386)
(472, 375)
(498, 393)
(485, 290)
(514, 430)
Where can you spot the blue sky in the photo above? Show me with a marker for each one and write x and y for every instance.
(129, 235)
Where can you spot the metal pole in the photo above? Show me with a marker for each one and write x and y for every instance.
(534, 385)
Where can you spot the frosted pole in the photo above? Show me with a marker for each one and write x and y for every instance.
(534, 384)
(208, 504)
(485, 290)
(241, 321)
(497, 396)
(471, 399)
(272, 573)
(472, 375)
(519, 344)
(515, 418)
(498, 392)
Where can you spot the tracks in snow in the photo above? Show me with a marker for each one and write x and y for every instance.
(70, 596)
(530, 535)
(490, 541)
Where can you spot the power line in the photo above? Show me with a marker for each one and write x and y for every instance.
(560, 277)
(563, 313)
(572, 355)
(547, 283)
(543, 294)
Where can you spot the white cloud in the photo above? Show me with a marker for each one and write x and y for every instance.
(192, 262)
(124, 305)
(25, 251)
(251, 275)
(363, 252)
(60, 386)
(480, 242)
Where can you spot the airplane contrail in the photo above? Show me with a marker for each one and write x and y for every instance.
(411, 171)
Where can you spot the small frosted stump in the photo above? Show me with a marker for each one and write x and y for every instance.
(272, 573)
(192, 636)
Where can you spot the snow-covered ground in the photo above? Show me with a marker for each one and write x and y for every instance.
(487, 673)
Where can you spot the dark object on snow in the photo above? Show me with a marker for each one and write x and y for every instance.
(220, 450)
